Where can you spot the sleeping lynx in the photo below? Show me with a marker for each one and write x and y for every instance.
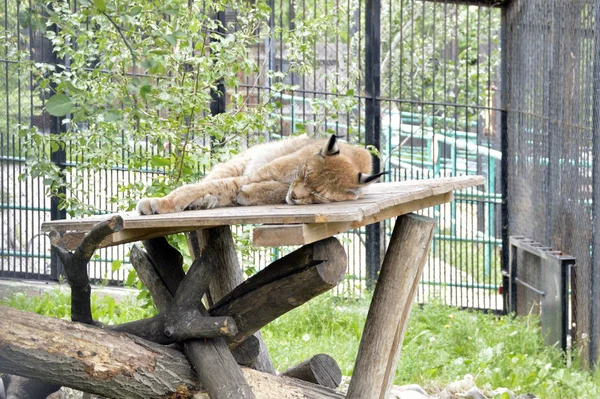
(298, 170)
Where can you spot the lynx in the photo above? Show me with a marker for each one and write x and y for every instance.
(296, 171)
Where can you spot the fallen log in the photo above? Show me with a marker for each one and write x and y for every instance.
(282, 286)
(116, 365)
(320, 369)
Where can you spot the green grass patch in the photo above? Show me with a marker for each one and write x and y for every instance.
(442, 344)
(57, 303)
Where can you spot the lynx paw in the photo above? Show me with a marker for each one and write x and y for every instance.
(209, 201)
(153, 206)
(144, 207)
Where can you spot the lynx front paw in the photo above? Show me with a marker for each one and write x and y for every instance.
(144, 207)
(209, 201)
(153, 206)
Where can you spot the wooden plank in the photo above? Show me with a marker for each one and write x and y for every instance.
(388, 313)
(71, 239)
(301, 234)
(376, 199)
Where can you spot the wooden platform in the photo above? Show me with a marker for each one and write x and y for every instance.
(281, 224)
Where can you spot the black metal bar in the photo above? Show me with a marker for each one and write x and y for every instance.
(58, 156)
(510, 294)
(373, 123)
(217, 106)
(504, 164)
(595, 263)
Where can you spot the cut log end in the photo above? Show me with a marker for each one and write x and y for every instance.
(333, 269)
(320, 369)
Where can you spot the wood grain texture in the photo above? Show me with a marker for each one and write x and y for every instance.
(284, 285)
(226, 279)
(388, 313)
(320, 369)
(90, 359)
(115, 365)
(275, 235)
(376, 198)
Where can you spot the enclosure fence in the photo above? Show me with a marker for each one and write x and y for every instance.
(418, 80)
(552, 58)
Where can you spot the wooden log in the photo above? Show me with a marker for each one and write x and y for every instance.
(214, 363)
(284, 285)
(228, 277)
(194, 325)
(76, 266)
(189, 293)
(116, 365)
(391, 304)
(247, 352)
(150, 329)
(229, 270)
(90, 359)
(168, 262)
(151, 279)
(320, 369)
(217, 369)
(153, 329)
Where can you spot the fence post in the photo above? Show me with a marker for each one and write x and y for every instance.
(504, 148)
(59, 158)
(373, 124)
(595, 272)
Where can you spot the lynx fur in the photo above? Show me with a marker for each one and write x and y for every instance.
(298, 171)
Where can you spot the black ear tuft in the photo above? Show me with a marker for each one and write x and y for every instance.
(330, 148)
(364, 178)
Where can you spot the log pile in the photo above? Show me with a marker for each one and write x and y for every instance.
(206, 341)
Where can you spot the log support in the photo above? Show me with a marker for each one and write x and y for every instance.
(390, 307)
(217, 335)
(229, 276)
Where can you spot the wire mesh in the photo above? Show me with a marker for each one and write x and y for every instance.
(550, 52)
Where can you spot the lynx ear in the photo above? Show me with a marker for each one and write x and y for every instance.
(364, 178)
(330, 147)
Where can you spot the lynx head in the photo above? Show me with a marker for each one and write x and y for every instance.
(330, 176)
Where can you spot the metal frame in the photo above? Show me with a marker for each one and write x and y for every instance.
(552, 289)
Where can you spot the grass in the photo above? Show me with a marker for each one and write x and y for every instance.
(442, 344)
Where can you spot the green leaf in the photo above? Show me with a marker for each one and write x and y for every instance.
(59, 105)
(112, 116)
(172, 40)
(24, 19)
(116, 265)
(159, 161)
(130, 278)
(135, 11)
(100, 5)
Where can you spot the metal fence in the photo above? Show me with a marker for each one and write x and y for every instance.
(419, 80)
(553, 94)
